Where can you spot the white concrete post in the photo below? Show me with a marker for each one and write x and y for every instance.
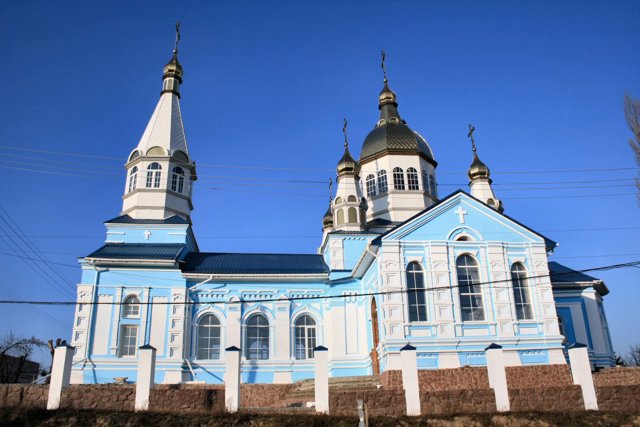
(409, 362)
(146, 375)
(60, 374)
(498, 376)
(232, 379)
(321, 381)
(581, 372)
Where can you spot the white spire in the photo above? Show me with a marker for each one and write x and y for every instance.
(165, 128)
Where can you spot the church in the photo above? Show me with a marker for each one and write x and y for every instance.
(398, 263)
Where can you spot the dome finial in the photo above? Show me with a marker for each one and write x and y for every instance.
(344, 131)
(175, 48)
(384, 69)
(477, 169)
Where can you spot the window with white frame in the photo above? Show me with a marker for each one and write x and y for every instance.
(524, 310)
(412, 179)
(128, 340)
(208, 342)
(432, 186)
(416, 293)
(133, 177)
(382, 182)
(154, 173)
(398, 179)
(177, 179)
(469, 288)
(371, 185)
(257, 338)
(305, 337)
(131, 307)
(425, 181)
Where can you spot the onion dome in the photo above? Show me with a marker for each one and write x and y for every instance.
(391, 134)
(347, 164)
(327, 219)
(478, 169)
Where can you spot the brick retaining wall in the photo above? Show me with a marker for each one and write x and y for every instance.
(379, 403)
(547, 399)
(617, 376)
(25, 395)
(264, 395)
(536, 376)
(444, 402)
(625, 398)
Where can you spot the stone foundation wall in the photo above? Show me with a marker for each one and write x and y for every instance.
(444, 402)
(547, 399)
(264, 395)
(624, 398)
(379, 403)
(187, 398)
(110, 397)
(391, 380)
(24, 395)
(537, 376)
(617, 376)
(467, 378)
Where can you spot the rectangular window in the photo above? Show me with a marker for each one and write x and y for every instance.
(128, 340)
(156, 182)
(149, 179)
(174, 182)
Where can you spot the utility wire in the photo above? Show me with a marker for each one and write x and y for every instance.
(325, 297)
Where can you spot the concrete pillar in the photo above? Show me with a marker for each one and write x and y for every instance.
(498, 376)
(146, 375)
(581, 372)
(60, 374)
(409, 362)
(321, 379)
(232, 380)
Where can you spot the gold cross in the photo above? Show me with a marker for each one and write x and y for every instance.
(470, 135)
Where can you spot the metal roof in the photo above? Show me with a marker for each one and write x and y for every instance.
(126, 219)
(259, 264)
(130, 251)
(563, 274)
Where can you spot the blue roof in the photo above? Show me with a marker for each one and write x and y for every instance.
(126, 219)
(562, 274)
(229, 263)
(131, 251)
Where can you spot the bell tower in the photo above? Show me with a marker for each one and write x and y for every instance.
(160, 172)
(479, 178)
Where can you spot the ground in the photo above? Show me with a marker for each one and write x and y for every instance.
(71, 418)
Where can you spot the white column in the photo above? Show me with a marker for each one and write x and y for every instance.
(146, 375)
(232, 380)
(409, 362)
(60, 374)
(321, 379)
(581, 372)
(498, 376)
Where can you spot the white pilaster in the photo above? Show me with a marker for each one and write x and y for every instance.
(146, 375)
(60, 374)
(232, 380)
(498, 376)
(581, 372)
(409, 362)
(321, 379)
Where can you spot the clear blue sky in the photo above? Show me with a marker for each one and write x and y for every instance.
(266, 85)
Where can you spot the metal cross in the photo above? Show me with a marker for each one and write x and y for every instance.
(461, 213)
(344, 131)
(175, 49)
(470, 135)
(384, 69)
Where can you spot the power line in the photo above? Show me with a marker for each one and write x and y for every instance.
(325, 297)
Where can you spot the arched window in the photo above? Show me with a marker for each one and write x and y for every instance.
(416, 293)
(338, 200)
(133, 177)
(470, 291)
(352, 199)
(425, 181)
(398, 179)
(257, 344)
(177, 179)
(382, 182)
(371, 185)
(131, 307)
(521, 298)
(305, 337)
(154, 171)
(432, 186)
(340, 217)
(412, 179)
(463, 239)
(352, 215)
(208, 344)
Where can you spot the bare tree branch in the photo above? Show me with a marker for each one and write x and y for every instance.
(632, 116)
